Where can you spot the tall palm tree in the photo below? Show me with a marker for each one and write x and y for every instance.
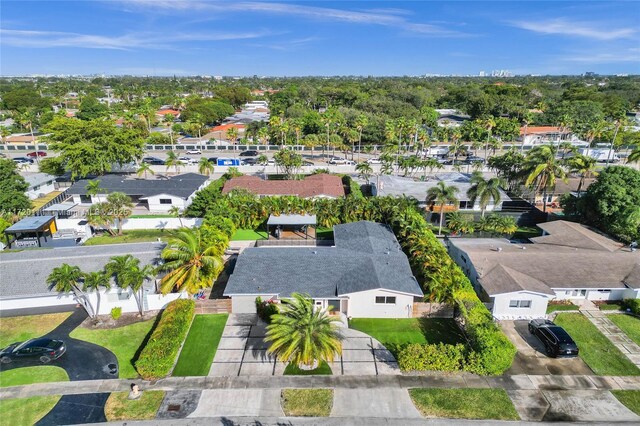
(129, 275)
(176, 212)
(583, 166)
(489, 124)
(192, 262)
(302, 335)
(65, 279)
(172, 161)
(484, 190)
(441, 195)
(232, 134)
(542, 170)
(361, 122)
(120, 205)
(93, 188)
(365, 170)
(205, 167)
(94, 281)
(144, 168)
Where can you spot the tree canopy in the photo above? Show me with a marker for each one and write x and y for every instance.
(12, 188)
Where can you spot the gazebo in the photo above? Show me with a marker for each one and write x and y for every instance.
(292, 226)
(31, 231)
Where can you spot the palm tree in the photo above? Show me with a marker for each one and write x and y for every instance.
(489, 124)
(365, 170)
(66, 278)
(120, 205)
(93, 281)
(128, 275)
(93, 188)
(143, 169)
(441, 194)
(460, 223)
(361, 122)
(176, 212)
(172, 161)
(191, 260)
(205, 167)
(232, 134)
(302, 335)
(634, 157)
(583, 166)
(543, 168)
(100, 216)
(484, 190)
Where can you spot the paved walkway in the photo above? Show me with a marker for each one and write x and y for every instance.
(242, 351)
(614, 334)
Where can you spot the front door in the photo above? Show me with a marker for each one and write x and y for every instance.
(333, 305)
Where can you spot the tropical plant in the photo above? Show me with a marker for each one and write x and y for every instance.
(93, 188)
(66, 279)
(584, 166)
(120, 206)
(365, 170)
(290, 162)
(484, 190)
(176, 212)
(94, 281)
(192, 262)
(144, 168)
(172, 161)
(634, 157)
(232, 134)
(129, 275)
(460, 223)
(303, 335)
(441, 195)
(497, 224)
(543, 169)
(205, 167)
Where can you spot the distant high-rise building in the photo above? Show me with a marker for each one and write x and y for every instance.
(482, 74)
(590, 74)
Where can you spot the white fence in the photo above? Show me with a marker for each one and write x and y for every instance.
(135, 223)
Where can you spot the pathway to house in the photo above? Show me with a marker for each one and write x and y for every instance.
(242, 351)
(612, 331)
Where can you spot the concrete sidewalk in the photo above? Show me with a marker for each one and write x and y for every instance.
(516, 382)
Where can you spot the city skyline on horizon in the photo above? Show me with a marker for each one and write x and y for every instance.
(295, 39)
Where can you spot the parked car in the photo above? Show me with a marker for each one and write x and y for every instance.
(2, 155)
(187, 160)
(194, 152)
(250, 153)
(22, 160)
(308, 163)
(475, 159)
(374, 161)
(37, 154)
(213, 160)
(341, 161)
(555, 339)
(42, 348)
(248, 162)
(154, 161)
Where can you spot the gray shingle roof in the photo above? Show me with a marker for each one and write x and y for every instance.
(24, 273)
(180, 185)
(363, 259)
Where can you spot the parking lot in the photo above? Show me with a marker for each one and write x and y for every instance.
(531, 357)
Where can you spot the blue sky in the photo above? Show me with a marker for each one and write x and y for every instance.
(158, 37)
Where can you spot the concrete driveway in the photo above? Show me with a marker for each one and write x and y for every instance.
(242, 351)
(531, 358)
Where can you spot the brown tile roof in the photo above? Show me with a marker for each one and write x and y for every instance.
(531, 130)
(320, 185)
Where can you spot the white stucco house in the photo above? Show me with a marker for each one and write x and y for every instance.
(569, 262)
(40, 184)
(157, 195)
(23, 278)
(365, 274)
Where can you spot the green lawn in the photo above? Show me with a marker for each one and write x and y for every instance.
(611, 306)
(595, 349)
(124, 342)
(307, 402)
(26, 411)
(524, 232)
(200, 346)
(561, 307)
(19, 329)
(324, 233)
(395, 333)
(134, 236)
(323, 370)
(629, 398)
(629, 324)
(491, 404)
(119, 407)
(249, 235)
(29, 375)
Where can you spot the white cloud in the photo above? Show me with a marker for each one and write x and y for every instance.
(561, 26)
(132, 41)
(382, 17)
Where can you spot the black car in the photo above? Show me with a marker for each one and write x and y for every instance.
(44, 349)
(23, 160)
(153, 161)
(250, 153)
(555, 339)
(250, 161)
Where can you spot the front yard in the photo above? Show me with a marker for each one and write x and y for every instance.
(29, 375)
(492, 404)
(595, 349)
(119, 407)
(124, 342)
(307, 402)
(19, 329)
(26, 411)
(201, 345)
(629, 398)
(133, 236)
(394, 333)
(629, 324)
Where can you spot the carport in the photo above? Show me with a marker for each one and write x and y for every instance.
(292, 226)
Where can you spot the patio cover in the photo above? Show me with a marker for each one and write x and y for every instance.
(60, 207)
(292, 219)
(30, 224)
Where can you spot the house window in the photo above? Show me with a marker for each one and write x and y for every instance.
(85, 199)
(465, 205)
(520, 303)
(464, 259)
(604, 291)
(388, 300)
(165, 200)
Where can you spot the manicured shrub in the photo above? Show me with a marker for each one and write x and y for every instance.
(437, 357)
(116, 313)
(159, 354)
(352, 187)
(266, 309)
(632, 305)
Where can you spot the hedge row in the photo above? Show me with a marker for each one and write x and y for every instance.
(632, 304)
(159, 354)
(490, 350)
